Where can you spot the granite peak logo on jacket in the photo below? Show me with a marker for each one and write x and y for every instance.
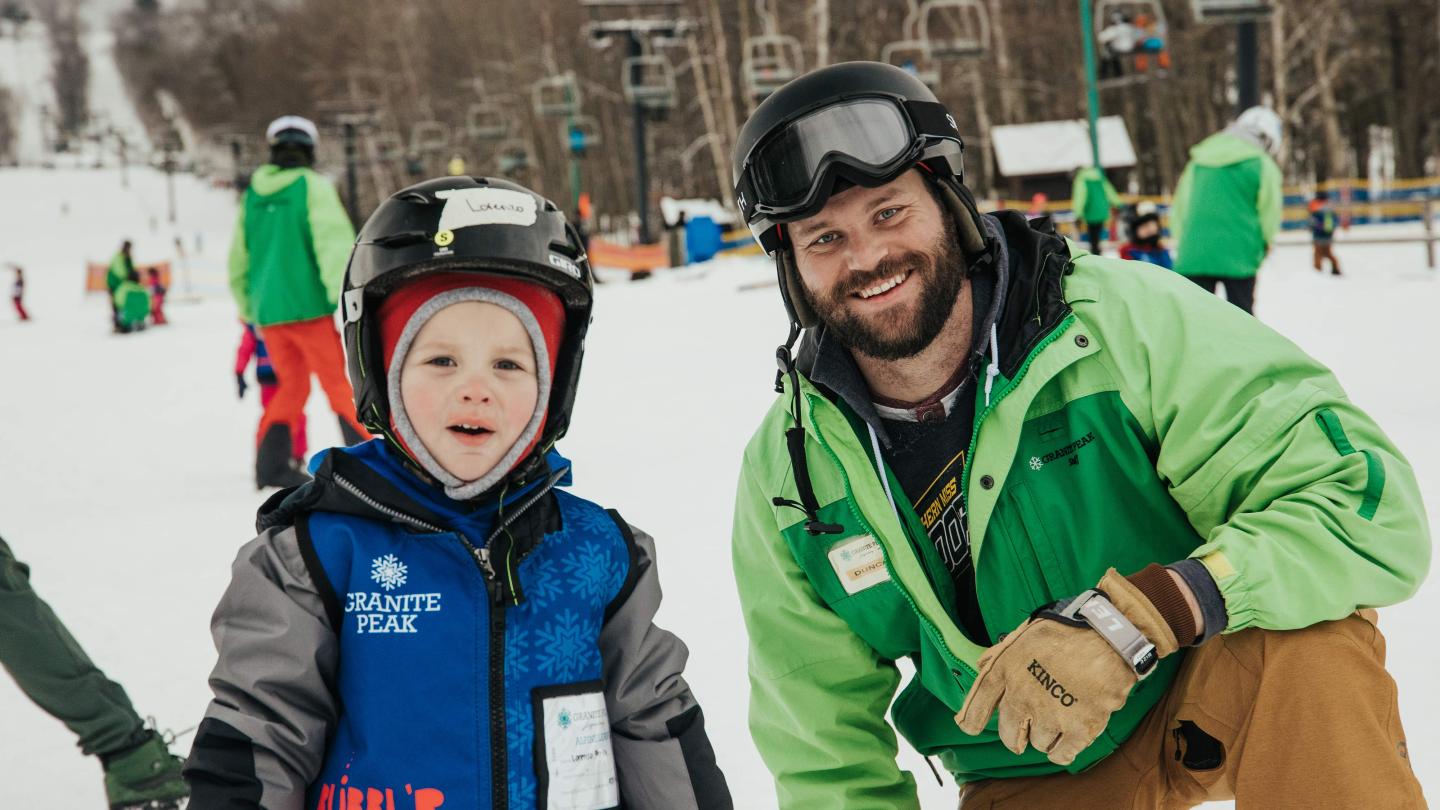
(389, 612)
(1039, 462)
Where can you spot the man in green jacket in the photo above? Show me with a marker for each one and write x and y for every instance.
(1120, 529)
(1228, 205)
(287, 260)
(1093, 199)
(121, 266)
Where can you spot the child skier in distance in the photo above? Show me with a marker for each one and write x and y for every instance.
(1323, 223)
(1145, 243)
(157, 296)
(253, 348)
(430, 620)
(17, 293)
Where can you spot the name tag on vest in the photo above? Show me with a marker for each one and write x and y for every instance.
(859, 563)
(579, 766)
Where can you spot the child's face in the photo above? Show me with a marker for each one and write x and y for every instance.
(1147, 230)
(469, 386)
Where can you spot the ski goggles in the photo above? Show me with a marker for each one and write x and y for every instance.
(869, 141)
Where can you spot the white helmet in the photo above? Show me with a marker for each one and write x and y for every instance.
(294, 128)
(1264, 125)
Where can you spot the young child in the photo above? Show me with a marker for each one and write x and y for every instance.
(132, 304)
(1145, 236)
(1323, 222)
(157, 296)
(253, 348)
(430, 621)
(17, 293)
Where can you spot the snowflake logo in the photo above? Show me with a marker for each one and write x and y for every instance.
(388, 571)
(564, 718)
(593, 574)
(1036, 463)
(566, 646)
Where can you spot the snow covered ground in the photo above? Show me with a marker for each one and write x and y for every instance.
(125, 460)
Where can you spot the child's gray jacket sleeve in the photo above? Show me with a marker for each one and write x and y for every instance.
(662, 755)
(263, 737)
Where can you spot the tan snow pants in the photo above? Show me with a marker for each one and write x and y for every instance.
(1303, 719)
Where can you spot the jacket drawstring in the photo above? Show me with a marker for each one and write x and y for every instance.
(880, 468)
(993, 370)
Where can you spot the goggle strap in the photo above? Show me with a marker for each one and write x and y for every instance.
(745, 195)
(931, 119)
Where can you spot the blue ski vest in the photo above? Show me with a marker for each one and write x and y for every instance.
(440, 687)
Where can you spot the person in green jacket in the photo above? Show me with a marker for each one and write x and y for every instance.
(1123, 532)
(52, 670)
(1228, 204)
(132, 304)
(287, 260)
(1093, 199)
(121, 266)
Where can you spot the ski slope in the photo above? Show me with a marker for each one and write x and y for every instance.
(25, 73)
(125, 460)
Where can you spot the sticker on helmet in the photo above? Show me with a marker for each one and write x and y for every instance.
(445, 237)
(467, 207)
(565, 264)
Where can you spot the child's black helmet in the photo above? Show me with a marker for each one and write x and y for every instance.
(463, 224)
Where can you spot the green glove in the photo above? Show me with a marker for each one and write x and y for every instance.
(1057, 679)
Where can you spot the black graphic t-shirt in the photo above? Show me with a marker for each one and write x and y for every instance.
(927, 455)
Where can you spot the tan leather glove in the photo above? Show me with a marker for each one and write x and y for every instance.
(1056, 680)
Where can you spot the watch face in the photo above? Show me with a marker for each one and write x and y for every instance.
(1146, 661)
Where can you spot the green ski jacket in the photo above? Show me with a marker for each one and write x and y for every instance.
(1092, 196)
(292, 241)
(118, 271)
(1136, 419)
(1227, 208)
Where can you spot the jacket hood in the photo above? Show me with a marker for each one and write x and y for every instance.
(270, 179)
(368, 481)
(1225, 148)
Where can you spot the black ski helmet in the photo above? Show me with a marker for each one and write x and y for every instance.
(863, 122)
(463, 224)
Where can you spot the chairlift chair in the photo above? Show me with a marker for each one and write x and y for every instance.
(649, 82)
(485, 121)
(912, 55)
(513, 157)
(1227, 11)
(557, 96)
(428, 137)
(1132, 11)
(954, 29)
(769, 63)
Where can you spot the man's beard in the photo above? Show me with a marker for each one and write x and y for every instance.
(899, 332)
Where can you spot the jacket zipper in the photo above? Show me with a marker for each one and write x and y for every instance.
(499, 753)
(499, 756)
(865, 524)
(383, 509)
